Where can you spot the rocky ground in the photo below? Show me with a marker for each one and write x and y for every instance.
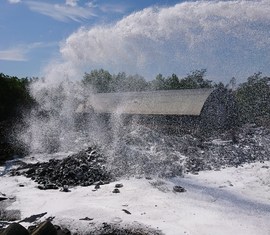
(144, 152)
(48, 228)
(88, 167)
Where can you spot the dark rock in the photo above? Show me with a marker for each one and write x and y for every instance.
(178, 189)
(33, 218)
(30, 171)
(86, 218)
(116, 190)
(45, 228)
(57, 227)
(15, 229)
(118, 185)
(83, 168)
(65, 231)
(126, 211)
(31, 228)
(65, 189)
(3, 198)
(51, 218)
(41, 187)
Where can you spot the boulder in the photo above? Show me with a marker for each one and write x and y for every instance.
(15, 229)
(45, 228)
(178, 189)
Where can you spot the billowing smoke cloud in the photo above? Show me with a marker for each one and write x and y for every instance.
(229, 38)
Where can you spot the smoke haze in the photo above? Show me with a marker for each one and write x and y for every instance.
(228, 38)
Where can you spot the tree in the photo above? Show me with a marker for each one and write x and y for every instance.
(253, 99)
(15, 100)
(14, 96)
(118, 82)
(135, 83)
(102, 81)
(159, 83)
(172, 82)
(99, 80)
(195, 80)
(219, 85)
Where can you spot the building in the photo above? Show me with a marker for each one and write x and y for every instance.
(186, 109)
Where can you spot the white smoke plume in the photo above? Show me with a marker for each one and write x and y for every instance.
(228, 38)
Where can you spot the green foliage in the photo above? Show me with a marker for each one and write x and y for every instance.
(195, 80)
(14, 96)
(172, 82)
(159, 83)
(123, 83)
(253, 98)
(219, 85)
(101, 81)
(118, 82)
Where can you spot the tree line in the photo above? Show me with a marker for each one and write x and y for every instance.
(15, 99)
(14, 96)
(102, 81)
(252, 96)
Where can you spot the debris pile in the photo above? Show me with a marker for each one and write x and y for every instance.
(252, 144)
(142, 150)
(84, 168)
(44, 228)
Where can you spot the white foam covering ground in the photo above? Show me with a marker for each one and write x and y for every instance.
(230, 201)
(168, 39)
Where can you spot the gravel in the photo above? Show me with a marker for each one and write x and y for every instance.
(142, 151)
(84, 168)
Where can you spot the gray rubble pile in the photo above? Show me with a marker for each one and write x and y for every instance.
(145, 151)
(141, 151)
(44, 228)
(84, 168)
(216, 152)
(126, 229)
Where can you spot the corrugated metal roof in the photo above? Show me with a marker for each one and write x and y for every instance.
(169, 102)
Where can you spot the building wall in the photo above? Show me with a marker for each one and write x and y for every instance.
(177, 110)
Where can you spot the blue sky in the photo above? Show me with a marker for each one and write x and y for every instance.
(32, 30)
(59, 38)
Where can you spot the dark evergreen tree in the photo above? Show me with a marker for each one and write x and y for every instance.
(172, 82)
(159, 83)
(14, 96)
(99, 80)
(195, 80)
(253, 99)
